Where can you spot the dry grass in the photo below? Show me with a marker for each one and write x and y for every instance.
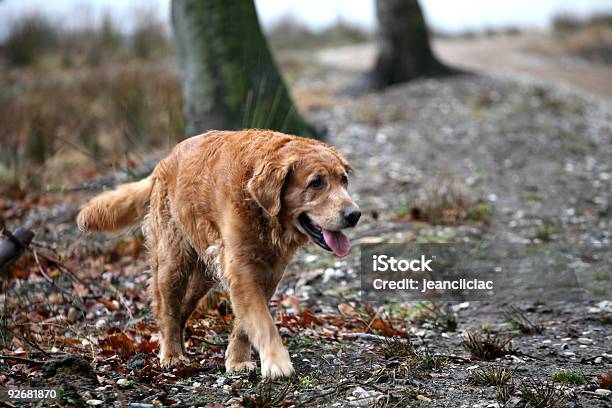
(289, 33)
(83, 99)
(407, 360)
(541, 394)
(495, 375)
(589, 37)
(447, 201)
(487, 348)
(518, 319)
(86, 119)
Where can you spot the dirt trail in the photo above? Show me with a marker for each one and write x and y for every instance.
(500, 55)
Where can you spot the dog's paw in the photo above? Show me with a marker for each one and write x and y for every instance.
(239, 366)
(172, 361)
(277, 365)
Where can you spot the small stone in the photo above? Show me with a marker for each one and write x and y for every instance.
(331, 273)
(101, 324)
(605, 305)
(123, 382)
(460, 306)
(94, 402)
(423, 398)
(73, 315)
(310, 258)
(584, 340)
(598, 360)
(220, 381)
(603, 391)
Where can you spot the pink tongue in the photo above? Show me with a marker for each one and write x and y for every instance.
(337, 241)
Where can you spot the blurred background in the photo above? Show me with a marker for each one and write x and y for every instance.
(99, 79)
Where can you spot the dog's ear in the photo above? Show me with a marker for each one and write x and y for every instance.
(266, 185)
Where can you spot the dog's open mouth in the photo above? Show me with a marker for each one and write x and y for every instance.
(333, 241)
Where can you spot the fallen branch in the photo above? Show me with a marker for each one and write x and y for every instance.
(210, 343)
(374, 337)
(22, 360)
(19, 241)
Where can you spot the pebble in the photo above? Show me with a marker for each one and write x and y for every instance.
(220, 381)
(423, 398)
(94, 402)
(359, 392)
(605, 305)
(584, 340)
(123, 382)
(598, 360)
(460, 306)
(101, 324)
(310, 258)
(331, 273)
(73, 314)
(603, 391)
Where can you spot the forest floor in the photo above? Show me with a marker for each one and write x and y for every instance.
(525, 162)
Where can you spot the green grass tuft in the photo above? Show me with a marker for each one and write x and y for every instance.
(569, 377)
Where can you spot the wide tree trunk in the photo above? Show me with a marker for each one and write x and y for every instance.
(404, 51)
(229, 78)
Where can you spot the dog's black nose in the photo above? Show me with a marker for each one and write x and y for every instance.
(351, 215)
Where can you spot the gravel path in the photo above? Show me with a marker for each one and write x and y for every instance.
(508, 56)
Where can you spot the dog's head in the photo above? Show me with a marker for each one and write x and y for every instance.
(306, 188)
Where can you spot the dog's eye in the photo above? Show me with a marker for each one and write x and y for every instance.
(344, 179)
(316, 183)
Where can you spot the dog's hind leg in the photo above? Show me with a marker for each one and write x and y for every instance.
(200, 282)
(172, 270)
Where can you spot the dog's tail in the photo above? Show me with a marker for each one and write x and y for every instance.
(116, 209)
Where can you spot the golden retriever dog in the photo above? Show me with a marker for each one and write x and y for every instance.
(254, 195)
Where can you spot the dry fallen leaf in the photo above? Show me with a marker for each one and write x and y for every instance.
(605, 380)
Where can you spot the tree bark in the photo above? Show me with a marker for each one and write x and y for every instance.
(229, 78)
(404, 51)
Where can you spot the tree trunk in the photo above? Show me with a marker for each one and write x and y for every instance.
(229, 78)
(404, 52)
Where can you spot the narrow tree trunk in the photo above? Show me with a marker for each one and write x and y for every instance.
(229, 78)
(404, 52)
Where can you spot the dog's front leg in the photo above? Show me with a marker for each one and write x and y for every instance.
(250, 305)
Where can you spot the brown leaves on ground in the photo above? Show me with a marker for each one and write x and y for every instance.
(605, 380)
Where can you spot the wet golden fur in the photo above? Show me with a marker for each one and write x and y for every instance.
(242, 192)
